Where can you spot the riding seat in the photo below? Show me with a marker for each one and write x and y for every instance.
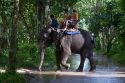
(71, 32)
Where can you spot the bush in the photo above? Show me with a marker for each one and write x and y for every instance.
(119, 58)
(27, 55)
(50, 58)
(3, 58)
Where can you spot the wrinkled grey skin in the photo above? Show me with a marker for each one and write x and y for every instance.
(65, 45)
(44, 40)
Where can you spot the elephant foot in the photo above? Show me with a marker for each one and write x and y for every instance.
(92, 69)
(79, 70)
(58, 71)
(67, 67)
(40, 69)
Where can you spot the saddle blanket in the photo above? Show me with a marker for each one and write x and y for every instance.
(72, 32)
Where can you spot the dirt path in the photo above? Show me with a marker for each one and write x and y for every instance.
(106, 72)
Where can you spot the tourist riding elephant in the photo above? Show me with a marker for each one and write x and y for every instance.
(65, 45)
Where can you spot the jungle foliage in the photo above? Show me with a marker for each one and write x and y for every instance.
(21, 21)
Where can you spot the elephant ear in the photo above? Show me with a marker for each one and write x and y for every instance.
(49, 30)
(45, 35)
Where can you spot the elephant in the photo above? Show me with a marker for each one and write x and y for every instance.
(65, 45)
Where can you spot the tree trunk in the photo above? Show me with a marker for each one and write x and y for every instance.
(109, 46)
(3, 17)
(42, 13)
(0, 26)
(39, 14)
(13, 39)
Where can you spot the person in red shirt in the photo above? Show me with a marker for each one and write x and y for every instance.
(67, 16)
(75, 19)
(75, 15)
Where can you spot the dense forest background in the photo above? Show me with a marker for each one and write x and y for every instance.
(21, 21)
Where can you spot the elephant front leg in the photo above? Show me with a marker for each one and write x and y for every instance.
(65, 56)
(41, 52)
(58, 60)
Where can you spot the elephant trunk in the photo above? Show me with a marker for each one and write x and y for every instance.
(42, 51)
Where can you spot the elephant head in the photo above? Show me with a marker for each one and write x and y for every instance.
(46, 37)
(44, 40)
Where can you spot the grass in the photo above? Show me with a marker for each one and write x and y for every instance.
(12, 78)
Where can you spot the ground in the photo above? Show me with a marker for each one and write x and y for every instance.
(106, 72)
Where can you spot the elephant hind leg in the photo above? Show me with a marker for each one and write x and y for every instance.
(82, 56)
(92, 64)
